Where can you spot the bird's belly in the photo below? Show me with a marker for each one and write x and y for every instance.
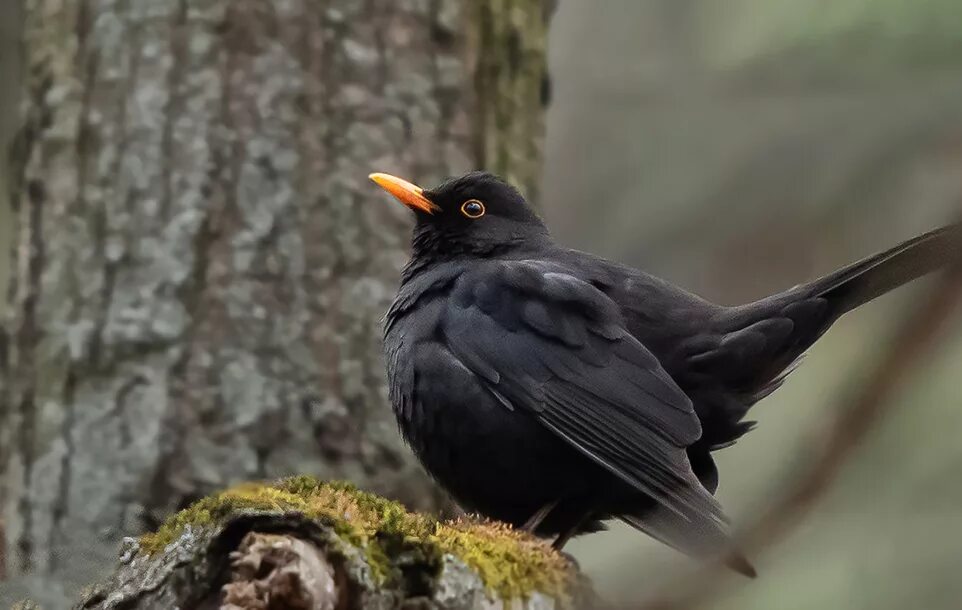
(496, 462)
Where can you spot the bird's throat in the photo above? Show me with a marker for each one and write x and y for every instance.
(430, 247)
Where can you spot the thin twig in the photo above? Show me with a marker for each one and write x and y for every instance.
(915, 340)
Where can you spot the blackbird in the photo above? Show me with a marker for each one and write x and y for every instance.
(555, 390)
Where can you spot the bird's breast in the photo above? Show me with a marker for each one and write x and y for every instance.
(492, 458)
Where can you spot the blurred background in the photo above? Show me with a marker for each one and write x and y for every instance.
(211, 289)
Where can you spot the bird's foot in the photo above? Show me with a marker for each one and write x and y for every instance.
(571, 559)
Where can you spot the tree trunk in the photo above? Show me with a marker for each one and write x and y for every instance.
(9, 94)
(199, 265)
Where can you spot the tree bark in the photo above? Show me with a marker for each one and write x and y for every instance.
(9, 95)
(199, 266)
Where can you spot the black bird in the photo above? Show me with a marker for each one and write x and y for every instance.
(554, 390)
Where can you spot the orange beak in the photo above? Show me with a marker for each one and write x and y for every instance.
(409, 194)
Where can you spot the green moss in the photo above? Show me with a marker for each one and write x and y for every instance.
(510, 563)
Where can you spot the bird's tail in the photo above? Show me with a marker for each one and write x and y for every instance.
(874, 276)
(760, 342)
(830, 297)
(813, 307)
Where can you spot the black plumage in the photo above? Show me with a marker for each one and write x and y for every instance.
(554, 390)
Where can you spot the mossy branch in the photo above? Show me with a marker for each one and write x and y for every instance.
(303, 543)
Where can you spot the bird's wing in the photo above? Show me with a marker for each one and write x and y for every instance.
(547, 342)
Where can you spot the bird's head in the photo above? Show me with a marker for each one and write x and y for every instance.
(476, 213)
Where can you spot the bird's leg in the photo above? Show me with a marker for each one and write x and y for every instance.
(566, 534)
(538, 517)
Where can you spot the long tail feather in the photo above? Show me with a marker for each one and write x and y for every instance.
(876, 275)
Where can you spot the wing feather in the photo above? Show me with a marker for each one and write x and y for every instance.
(550, 343)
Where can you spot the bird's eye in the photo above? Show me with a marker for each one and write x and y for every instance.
(472, 208)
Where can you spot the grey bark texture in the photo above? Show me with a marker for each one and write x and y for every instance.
(198, 263)
(9, 95)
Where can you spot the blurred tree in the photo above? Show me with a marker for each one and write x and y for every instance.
(199, 265)
(9, 72)
(694, 129)
(737, 148)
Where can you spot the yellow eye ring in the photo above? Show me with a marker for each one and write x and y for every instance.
(472, 208)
